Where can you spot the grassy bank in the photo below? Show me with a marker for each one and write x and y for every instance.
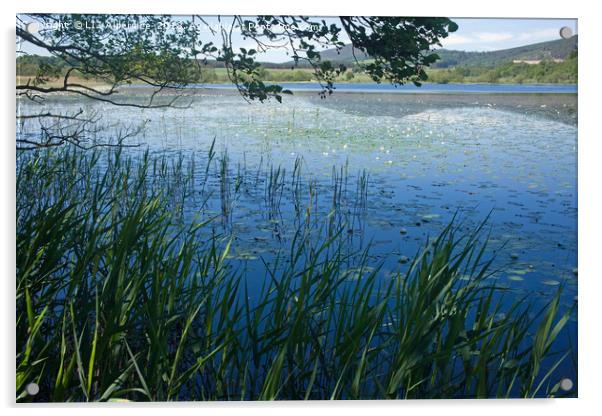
(545, 72)
(119, 298)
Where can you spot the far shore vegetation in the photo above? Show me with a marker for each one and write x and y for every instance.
(543, 72)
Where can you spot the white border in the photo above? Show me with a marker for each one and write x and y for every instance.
(590, 207)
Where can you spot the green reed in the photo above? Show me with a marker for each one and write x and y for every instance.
(119, 299)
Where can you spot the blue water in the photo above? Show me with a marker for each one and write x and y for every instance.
(425, 88)
(427, 158)
(510, 155)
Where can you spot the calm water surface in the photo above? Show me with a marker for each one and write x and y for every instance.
(426, 88)
(423, 157)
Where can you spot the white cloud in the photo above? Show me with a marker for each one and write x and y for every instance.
(490, 37)
(494, 36)
(484, 41)
(455, 39)
(544, 34)
(487, 48)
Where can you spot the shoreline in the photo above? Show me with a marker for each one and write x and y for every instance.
(22, 80)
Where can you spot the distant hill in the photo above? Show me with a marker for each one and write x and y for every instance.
(345, 55)
(555, 49)
(454, 66)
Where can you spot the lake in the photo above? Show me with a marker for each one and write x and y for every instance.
(389, 169)
(426, 158)
(424, 88)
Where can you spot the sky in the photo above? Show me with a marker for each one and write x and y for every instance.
(481, 34)
(473, 34)
(495, 34)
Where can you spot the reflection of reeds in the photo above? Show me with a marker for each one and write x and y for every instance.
(336, 215)
(210, 157)
(296, 185)
(296, 190)
(118, 299)
(201, 187)
(274, 190)
(224, 187)
(359, 207)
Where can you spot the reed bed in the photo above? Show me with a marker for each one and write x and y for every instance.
(120, 297)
